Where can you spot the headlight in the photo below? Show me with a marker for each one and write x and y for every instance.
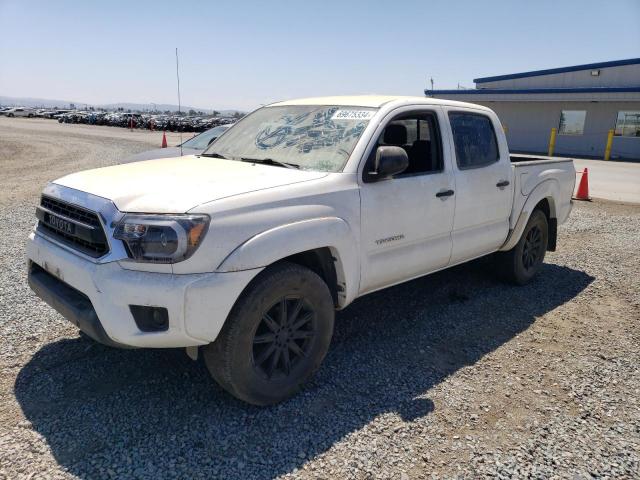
(161, 238)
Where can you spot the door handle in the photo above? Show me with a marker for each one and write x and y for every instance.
(445, 193)
(502, 183)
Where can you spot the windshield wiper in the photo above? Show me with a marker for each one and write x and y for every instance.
(270, 161)
(213, 155)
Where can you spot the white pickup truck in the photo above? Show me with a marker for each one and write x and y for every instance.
(243, 253)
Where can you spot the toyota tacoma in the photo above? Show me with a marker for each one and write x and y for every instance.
(242, 254)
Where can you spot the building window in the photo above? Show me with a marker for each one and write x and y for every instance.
(628, 124)
(572, 122)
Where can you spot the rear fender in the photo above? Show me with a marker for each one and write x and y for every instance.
(280, 242)
(549, 189)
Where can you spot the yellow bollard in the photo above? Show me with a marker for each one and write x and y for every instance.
(552, 141)
(607, 150)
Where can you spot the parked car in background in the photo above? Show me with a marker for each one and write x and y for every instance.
(20, 112)
(55, 113)
(193, 146)
(170, 122)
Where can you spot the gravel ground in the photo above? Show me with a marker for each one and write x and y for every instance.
(450, 376)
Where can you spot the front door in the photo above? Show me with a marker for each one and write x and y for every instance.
(407, 220)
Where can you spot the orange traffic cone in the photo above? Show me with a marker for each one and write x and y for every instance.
(164, 140)
(583, 187)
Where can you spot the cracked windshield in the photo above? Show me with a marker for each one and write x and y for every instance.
(309, 137)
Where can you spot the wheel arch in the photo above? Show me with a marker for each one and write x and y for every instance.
(541, 198)
(322, 262)
(547, 206)
(326, 246)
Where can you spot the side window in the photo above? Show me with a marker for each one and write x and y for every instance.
(474, 139)
(418, 135)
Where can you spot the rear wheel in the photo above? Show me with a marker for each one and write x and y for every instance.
(276, 336)
(520, 264)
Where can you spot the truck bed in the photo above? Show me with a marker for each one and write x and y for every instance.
(530, 171)
(523, 159)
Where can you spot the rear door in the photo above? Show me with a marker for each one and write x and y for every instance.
(483, 184)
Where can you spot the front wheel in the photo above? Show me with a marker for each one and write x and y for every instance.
(520, 264)
(275, 337)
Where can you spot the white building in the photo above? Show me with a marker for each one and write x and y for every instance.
(582, 102)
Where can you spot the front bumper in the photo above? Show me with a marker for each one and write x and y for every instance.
(70, 303)
(96, 297)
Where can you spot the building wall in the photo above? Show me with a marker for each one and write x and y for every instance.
(528, 126)
(621, 76)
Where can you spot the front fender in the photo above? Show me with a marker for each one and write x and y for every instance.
(280, 242)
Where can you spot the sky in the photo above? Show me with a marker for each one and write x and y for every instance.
(241, 54)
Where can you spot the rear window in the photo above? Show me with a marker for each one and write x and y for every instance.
(474, 139)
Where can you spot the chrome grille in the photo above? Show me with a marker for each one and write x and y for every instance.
(87, 236)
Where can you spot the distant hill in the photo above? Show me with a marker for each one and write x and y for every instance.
(46, 102)
(35, 102)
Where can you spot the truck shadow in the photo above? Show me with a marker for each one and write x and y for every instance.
(124, 413)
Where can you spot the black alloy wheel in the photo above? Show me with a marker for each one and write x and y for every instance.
(520, 264)
(275, 337)
(283, 337)
(533, 248)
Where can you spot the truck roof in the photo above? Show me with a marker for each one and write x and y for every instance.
(373, 101)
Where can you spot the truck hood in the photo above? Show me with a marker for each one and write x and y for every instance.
(176, 185)
(169, 152)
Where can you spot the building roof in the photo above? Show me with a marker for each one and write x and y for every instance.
(550, 71)
(520, 91)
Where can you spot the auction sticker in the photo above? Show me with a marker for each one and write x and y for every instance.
(353, 115)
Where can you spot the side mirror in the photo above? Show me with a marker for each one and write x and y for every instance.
(389, 161)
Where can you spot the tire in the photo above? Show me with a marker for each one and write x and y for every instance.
(263, 357)
(520, 264)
